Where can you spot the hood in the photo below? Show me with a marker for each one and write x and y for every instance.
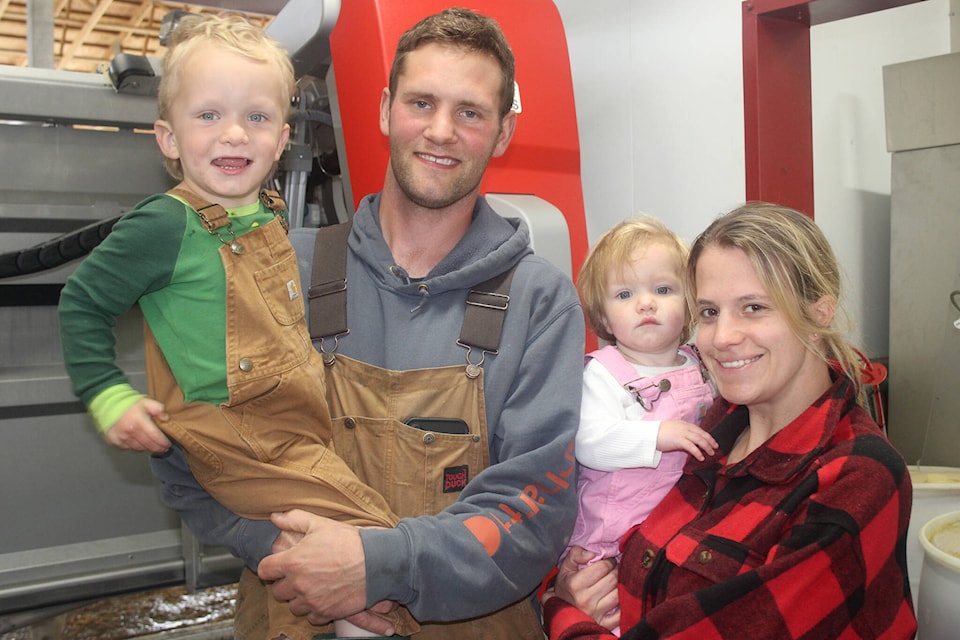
(492, 245)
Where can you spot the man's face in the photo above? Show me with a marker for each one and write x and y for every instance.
(444, 124)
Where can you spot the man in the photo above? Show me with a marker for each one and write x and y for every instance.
(485, 512)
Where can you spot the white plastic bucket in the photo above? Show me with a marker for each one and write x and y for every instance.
(938, 614)
(936, 490)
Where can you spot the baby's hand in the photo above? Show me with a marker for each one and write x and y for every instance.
(136, 429)
(677, 435)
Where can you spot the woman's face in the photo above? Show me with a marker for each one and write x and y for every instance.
(747, 345)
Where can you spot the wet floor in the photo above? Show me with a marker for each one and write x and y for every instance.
(167, 614)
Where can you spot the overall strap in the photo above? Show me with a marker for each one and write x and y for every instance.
(214, 216)
(482, 320)
(614, 362)
(486, 308)
(328, 282)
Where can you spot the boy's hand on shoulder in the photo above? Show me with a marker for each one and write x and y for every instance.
(136, 429)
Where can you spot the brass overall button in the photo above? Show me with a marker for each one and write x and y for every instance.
(429, 438)
(246, 364)
(647, 561)
(704, 557)
(349, 423)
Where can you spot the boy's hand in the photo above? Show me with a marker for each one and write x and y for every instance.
(136, 430)
(677, 435)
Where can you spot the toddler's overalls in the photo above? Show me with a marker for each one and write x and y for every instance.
(611, 502)
(268, 448)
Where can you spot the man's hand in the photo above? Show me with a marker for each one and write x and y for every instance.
(592, 588)
(377, 624)
(323, 576)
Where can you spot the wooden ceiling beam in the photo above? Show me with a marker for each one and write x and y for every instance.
(85, 31)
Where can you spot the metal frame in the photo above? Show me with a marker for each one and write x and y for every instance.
(777, 108)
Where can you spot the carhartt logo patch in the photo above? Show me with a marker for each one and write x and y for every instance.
(455, 478)
(292, 289)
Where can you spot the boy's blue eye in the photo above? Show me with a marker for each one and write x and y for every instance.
(207, 116)
(258, 117)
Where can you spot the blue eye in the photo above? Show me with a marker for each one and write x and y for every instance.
(662, 291)
(623, 295)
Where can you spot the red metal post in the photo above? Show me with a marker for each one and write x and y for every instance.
(778, 129)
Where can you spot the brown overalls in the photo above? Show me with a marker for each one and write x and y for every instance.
(408, 466)
(268, 448)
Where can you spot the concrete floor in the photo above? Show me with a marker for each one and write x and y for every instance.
(168, 614)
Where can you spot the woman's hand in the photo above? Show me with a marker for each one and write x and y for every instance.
(591, 588)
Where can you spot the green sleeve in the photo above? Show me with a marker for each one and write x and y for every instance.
(110, 404)
(137, 257)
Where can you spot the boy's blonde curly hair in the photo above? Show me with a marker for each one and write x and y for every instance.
(230, 32)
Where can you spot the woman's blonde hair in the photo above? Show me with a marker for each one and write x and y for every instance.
(797, 267)
(615, 249)
(230, 32)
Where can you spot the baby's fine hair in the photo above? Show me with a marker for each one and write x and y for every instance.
(615, 249)
(797, 267)
(459, 28)
(230, 32)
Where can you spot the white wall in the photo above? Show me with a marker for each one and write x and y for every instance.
(659, 92)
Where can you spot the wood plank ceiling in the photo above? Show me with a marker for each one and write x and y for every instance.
(87, 34)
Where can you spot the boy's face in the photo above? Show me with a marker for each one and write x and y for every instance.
(227, 124)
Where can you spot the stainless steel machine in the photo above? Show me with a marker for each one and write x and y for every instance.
(82, 521)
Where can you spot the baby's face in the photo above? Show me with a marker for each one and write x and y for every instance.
(644, 307)
(227, 124)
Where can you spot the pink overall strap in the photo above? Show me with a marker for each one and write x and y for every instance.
(614, 362)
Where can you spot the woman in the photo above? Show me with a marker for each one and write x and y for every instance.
(796, 527)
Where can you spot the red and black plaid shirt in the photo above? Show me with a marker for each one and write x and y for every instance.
(804, 538)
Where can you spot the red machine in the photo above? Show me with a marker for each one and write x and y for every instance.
(544, 157)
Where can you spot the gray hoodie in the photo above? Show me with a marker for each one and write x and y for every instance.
(532, 388)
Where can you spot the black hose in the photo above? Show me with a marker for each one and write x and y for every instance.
(55, 252)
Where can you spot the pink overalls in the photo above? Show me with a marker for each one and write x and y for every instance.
(611, 502)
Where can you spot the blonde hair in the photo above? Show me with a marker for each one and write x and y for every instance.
(615, 249)
(797, 267)
(231, 33)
